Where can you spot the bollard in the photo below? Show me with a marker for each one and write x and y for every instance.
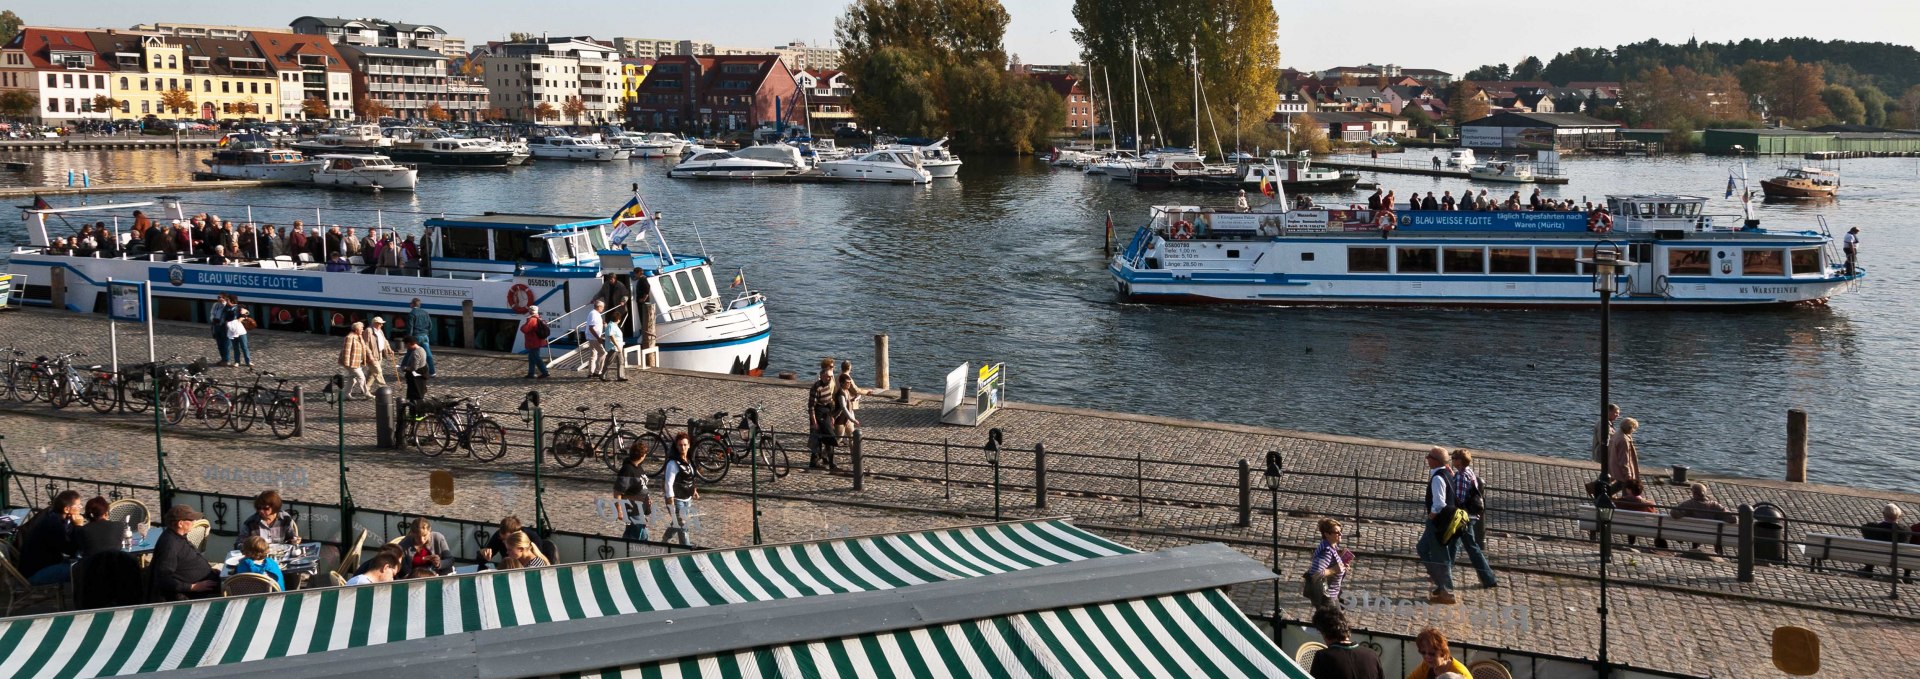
(946, 465)
(383, 417)
(859, 464)
(1745, 544)
(1246, 495)
(466, 325)
(906, 395)
(57, 286)
(1796, 445)
(299, 411)
(1040, 475)
(881, 376)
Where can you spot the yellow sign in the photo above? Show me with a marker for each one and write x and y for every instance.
(441, 487)
(1796, 651)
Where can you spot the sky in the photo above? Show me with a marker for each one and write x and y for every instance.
(1455, 36)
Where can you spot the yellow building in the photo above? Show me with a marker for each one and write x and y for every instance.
(632, 73)
(222, 79)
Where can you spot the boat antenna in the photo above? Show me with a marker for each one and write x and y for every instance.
(701, 241)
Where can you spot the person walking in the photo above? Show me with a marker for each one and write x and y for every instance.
(820, 418)
(413, 370)
(1470, 497)
(1603, 434)
(593, 333)
(616, 343)
(614, 292)
(237, 336)
(420, 324)
(1327, 570)
(1341, 659)
(380, 350)
(632, 504)
(218, 315)
(535, 333)
(1433, 539)
(356, 356)
(678, 483)
(1623, 456)
(1850, 244)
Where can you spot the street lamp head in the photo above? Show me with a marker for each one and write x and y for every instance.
(528, 405)
(1275, 467)
(336, 386)
(994, 439)
(1607, 264)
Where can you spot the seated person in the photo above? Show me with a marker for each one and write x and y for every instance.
(390, 549)
(426, 551)
(257, 557)
(521, 553)
(1883, 530)
(102, 535)
(1631, 500)
(50, 541)
(497, 546)
(269, 522)
(178, 570)
(1701, 506)
(381, 568)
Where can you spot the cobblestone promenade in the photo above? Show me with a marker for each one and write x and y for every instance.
(1671, 611)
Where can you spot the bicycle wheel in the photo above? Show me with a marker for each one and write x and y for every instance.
(136, 398)
(428, 435)
(711, 459)
(7, 383)
(282, 416)
(655, 461)
(776, 457)
(245, 410)
(27, 384)
(60, 391)
(569, 446)
(103, 395)
(488, 440)
(216, 409)
(617, 448)
(173, 406)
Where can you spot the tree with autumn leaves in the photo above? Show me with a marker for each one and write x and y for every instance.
(1236, 45)
(369, 108)
(315, 108)
(176, 100)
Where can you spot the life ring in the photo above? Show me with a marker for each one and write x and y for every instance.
(1600, 222)
(1385, 220)
(282, 316)
(519, 297)
(339, 320)
(1181, 230)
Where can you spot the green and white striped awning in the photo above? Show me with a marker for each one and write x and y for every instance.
(225, 631)
(1194, 634)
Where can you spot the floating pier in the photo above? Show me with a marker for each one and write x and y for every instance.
(1420, 167)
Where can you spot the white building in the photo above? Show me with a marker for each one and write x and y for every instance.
(521, 76)
(60, 69)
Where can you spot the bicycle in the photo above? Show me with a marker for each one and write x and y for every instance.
(438, 426)
(655, 439)
(571, 445)
(188, 388)
(716, 450)
(276, 404)
(11, 376)
(63, 383)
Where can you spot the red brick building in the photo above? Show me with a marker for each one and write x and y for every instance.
(715, 93)
(1081, 117)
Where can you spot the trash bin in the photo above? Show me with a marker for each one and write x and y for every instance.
(1769, 533)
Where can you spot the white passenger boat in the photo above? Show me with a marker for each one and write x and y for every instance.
(893, 167)
(718, 164)
(561, 147)
(253, 157)
(347, 139)
(1188, 254)
(1506, 171)
(364, 170)
(493, 266)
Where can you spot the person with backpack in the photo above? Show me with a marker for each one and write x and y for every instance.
(678, 482)
(536, 331)
(631, 502)
(1441, 526)
(820, 418)
(1469, 497)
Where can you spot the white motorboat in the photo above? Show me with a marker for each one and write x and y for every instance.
(561, 147)
(717, 164)
(657, 144)
(433, 146)
(364, 170)
(253, 157)
(890, 166)
(934, 158)
(348, 139)
(1461, 159)
(1508, 171)
(784, 154)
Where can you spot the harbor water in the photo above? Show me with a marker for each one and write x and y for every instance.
(1004, 265)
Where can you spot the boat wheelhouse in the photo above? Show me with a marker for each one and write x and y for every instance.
(480, 272)
(1190, 254)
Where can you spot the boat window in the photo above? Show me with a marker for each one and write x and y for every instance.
(1689, 262)
(703, 279)
(1366, 260)
(686, 287)
(597, 238)
(1806, 260)
(667, 292)
(509, 246)
(1306, 256)
(1511, 260)
(1464, 260)
(1762, 263)
(1416, 260)
(464, 243)
(1555, 261)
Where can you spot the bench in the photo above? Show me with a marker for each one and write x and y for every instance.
(1824, 547)
(1720, 534)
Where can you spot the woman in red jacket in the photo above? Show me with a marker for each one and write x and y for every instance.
(536, 333)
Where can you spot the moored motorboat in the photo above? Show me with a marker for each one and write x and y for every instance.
(1505, 171)
(365, 171)
(886, 166)
(713, 163)
(253, 157)
(562, 147)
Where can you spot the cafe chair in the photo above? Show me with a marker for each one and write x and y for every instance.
(1303, 656)
(350, 560)
(248, 583)
(1489, 668)
(15, 591)
(335, 579)
(197, 534)
(131, 512)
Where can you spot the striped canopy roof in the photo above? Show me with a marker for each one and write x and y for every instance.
(221, 631)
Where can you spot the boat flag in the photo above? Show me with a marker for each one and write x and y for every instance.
(1729, 185)
(624, 219)
(41, 204)
(739, 278)
(1266, 185)
(224, 140)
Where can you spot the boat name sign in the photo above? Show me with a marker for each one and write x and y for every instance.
(423, 291)
(178, 275)
(1182, 255)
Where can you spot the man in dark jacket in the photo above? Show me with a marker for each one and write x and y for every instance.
(180, 572)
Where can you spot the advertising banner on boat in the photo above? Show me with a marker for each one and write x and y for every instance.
(1236, 223)
(178, 275)
(1305, 220)
(1529, 222)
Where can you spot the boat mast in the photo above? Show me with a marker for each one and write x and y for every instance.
(1193, 59)
(1136, 95)
(1113, 131)
(1093, 106)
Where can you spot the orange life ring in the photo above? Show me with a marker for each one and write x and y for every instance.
(1385, 220)
(1599, 222)
(519, 297)
(1182, 230)
(281, 316)
(339, 319)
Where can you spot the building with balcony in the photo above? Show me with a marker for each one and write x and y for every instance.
(219, 79)
(521, 76)
(60, 69)
(409, 82)
(308, 68)
(827, 96)
(646, 48)
(799, 56)
(374, 33)
(180, 30)
(714, 93)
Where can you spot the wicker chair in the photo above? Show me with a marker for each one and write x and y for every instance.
(350, 559)
(248, 583)
(19, 592)
(1489, 668)
(1303, 656)
(335, 579)
(131, 512)
(197, 534)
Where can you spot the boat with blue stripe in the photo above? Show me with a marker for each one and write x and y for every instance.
(1315, 255)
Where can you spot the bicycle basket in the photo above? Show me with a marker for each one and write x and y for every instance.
(437, 405)
(706, 426)
(657, 420)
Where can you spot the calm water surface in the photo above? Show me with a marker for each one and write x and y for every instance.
(1005, 265)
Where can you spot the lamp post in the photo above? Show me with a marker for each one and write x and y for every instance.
(1274, 469)
(994, 438)
(530, 413)
(1608, 264)
(752, 419)
(335, 395)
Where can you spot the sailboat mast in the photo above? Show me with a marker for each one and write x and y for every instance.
(1193, 58)
(1113, 131)
(1093, 107)
(1136, 95)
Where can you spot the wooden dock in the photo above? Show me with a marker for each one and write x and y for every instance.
(162, 188)
(1416, 167)
(86, 143)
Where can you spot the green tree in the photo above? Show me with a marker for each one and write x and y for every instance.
(1235, 42)
(1528, 69)
(1906, 111)
(1418, 122)
(17, 103)
(1845, 105)
(521, 36)
(1489, 72)
(9, 26)
(898, 92)
(1877, 104)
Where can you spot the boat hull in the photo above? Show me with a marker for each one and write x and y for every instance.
(1778, 189)
(291, 172)
(941, 170)
(501, 158)
(1576, 292)
(392, 180)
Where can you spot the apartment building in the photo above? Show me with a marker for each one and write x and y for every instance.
(180, 30)
(377, 33)
(410, 82)
(308, 68)
(60, 69)
(519, 77)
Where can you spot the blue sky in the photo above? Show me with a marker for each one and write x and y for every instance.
(1452, 36)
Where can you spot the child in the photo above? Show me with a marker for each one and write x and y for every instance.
(256, 557)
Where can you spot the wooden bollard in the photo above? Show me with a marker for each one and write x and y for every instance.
(466, 325)
(1797, 445)
(57, 288)
(881, 376)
